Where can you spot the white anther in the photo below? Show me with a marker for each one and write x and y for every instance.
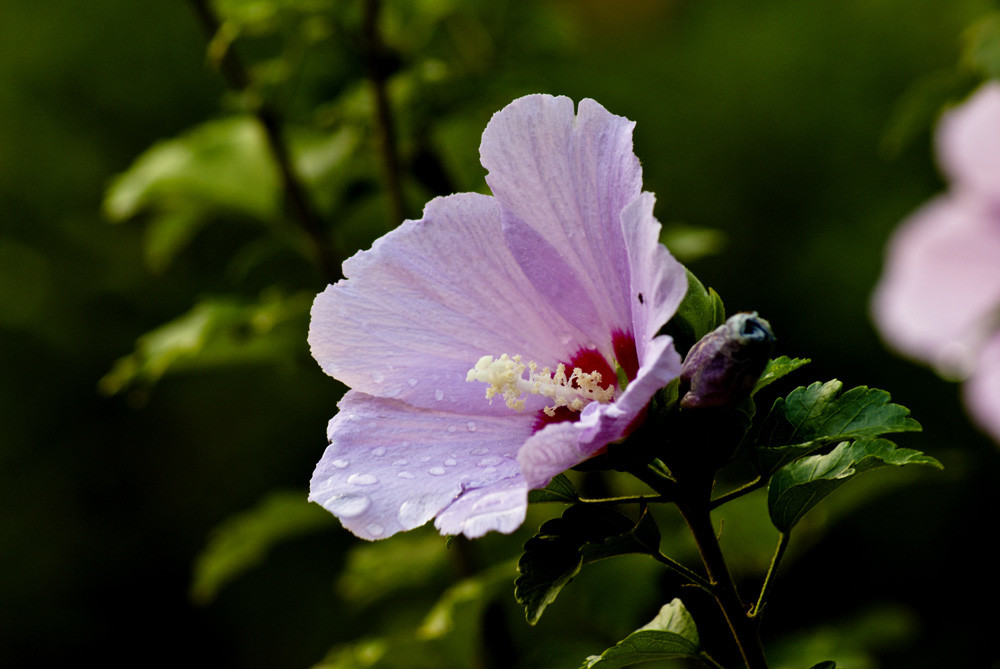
(506, 376)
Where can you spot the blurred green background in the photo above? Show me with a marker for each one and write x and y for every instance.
(797, 133)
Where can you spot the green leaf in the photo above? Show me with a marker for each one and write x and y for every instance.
(812, 416)
(224, 163)
(982, 46)
(797, 487)
(828, 664)
(223, 167)
(688, 243)
(450, 635)
(776, 369)
(559, 489)
(243, 541)
(700, 312)
(379, 570)
(216, 331)
(585, 533)
(671, 634)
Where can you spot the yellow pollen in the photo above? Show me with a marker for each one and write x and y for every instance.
(506, 376)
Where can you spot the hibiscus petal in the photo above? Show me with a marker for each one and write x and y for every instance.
(982, 390)
(500, 507)
(567, 176)
(968, 142)
(391, 467)
(560, 446)
(658, 281)
(426, 302)
(941, 283)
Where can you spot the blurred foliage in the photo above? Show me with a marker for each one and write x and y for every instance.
(787, 139)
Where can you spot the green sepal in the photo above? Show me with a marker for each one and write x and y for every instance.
(585, 533)
(798, 487)
(671, 634)
(700, 312)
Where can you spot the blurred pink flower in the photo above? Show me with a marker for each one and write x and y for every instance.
(437, 329)
(938, 300)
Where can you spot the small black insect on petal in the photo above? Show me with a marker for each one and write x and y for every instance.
(641, 301)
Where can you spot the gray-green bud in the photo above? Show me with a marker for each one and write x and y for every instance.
(722, 368)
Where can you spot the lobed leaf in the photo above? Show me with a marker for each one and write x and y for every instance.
(671, 634)
(559, 489)
(798, 487)
(812, 416)
(585, 533)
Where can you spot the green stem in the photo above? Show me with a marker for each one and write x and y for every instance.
(756, 484)
(683, 571)
(300, 208)
(385, 134)
(699, 520)
(765, 589)
(627, 499)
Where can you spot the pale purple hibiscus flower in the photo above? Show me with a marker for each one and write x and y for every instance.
(939, 298)
(561, 266)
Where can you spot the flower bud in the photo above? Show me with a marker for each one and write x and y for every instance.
(722, 368)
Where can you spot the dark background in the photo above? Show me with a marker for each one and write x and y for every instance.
(777, 123)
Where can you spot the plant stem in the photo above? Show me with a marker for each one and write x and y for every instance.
(235, 75)
(756, 484)
(385, 135)
(683, 571)
(699, 520)
(765, 589)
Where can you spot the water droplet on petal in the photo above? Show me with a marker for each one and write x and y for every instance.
(452, 428)
(375, 529)
(471, 425)
(340, 463)
(378, 451)
(362, 479)
(439, 395)
(482, 450)
(378, 377)
(425, 458)
(400, 462)
(450, 462)
(490, 461)
(406, 475)
(412, 381)
(415, 512)
(436, 471)
(348, 505)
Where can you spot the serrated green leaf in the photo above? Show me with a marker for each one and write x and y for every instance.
(243, 541)
(671, 634)
(216, 331)
(559, 489)
(700, 312)
(776, 369)
(585, 533)
(797, 487)
(812, 416)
